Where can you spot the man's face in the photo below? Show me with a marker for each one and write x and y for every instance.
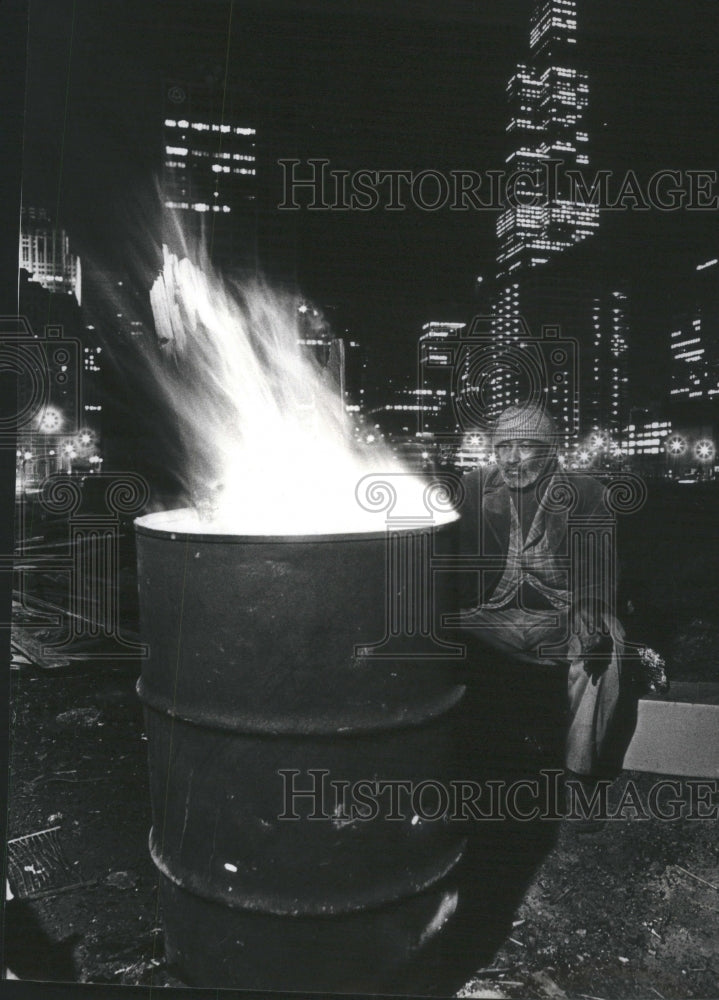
(521, 462)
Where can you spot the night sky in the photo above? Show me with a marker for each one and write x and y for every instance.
(377, 85)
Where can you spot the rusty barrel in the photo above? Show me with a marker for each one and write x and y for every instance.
(273, 690)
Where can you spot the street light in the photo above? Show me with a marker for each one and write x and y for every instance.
(676, 445)
(51, 421)
(70, 452)
(84, 441)
(704, 450)
(474, 440)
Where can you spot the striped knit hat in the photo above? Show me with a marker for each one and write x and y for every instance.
(529, 423)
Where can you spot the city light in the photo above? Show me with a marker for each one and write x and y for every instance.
(676, 445)
(50, 421)
(84, 441)
(474, 441)
(704, 450)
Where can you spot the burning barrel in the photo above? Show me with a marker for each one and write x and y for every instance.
(289, 727)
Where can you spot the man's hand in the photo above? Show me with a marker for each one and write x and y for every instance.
(592, 640)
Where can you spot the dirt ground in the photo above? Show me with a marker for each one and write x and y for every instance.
(629, 911)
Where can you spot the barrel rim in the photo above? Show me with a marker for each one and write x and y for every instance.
(142, 527)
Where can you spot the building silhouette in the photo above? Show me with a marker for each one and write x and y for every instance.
(560, 327)
(440, 362)
(547, 99)
(210, 174)
(58, 428)
(694, 342)
(45, 254)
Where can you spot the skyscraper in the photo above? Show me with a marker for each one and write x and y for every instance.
(45, 254)
(694, 341)
(210, 169)
(547, 99)
(545, 279)
(438, 383)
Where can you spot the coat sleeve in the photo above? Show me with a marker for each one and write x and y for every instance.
(594, 557)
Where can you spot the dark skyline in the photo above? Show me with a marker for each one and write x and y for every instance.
(408, 87)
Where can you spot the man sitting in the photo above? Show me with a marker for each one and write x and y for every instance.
(546, 586)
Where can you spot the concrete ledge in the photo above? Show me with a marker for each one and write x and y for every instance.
(678, 736)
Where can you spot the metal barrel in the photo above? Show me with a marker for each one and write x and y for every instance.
(275, 695)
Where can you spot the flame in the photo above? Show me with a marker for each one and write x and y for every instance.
(268, 446)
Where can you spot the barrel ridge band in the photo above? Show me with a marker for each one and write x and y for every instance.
(256, 726)
(283, 906)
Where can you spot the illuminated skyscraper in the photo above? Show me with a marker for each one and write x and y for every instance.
(439, 367)
(45, 254)
(547, 98)
(210, 169)
(608, 396)
(544, 278)
(694, 342)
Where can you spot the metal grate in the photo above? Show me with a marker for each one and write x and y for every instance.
(37, 865)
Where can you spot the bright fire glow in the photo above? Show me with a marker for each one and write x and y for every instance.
(269, 448)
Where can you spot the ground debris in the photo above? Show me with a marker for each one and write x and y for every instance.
(85, 718)
(480, 991)
(547, 985)
(497, 970)
(137, 972)
(121, 880)
(697, 877)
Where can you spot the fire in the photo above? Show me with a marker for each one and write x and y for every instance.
(269, 448)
